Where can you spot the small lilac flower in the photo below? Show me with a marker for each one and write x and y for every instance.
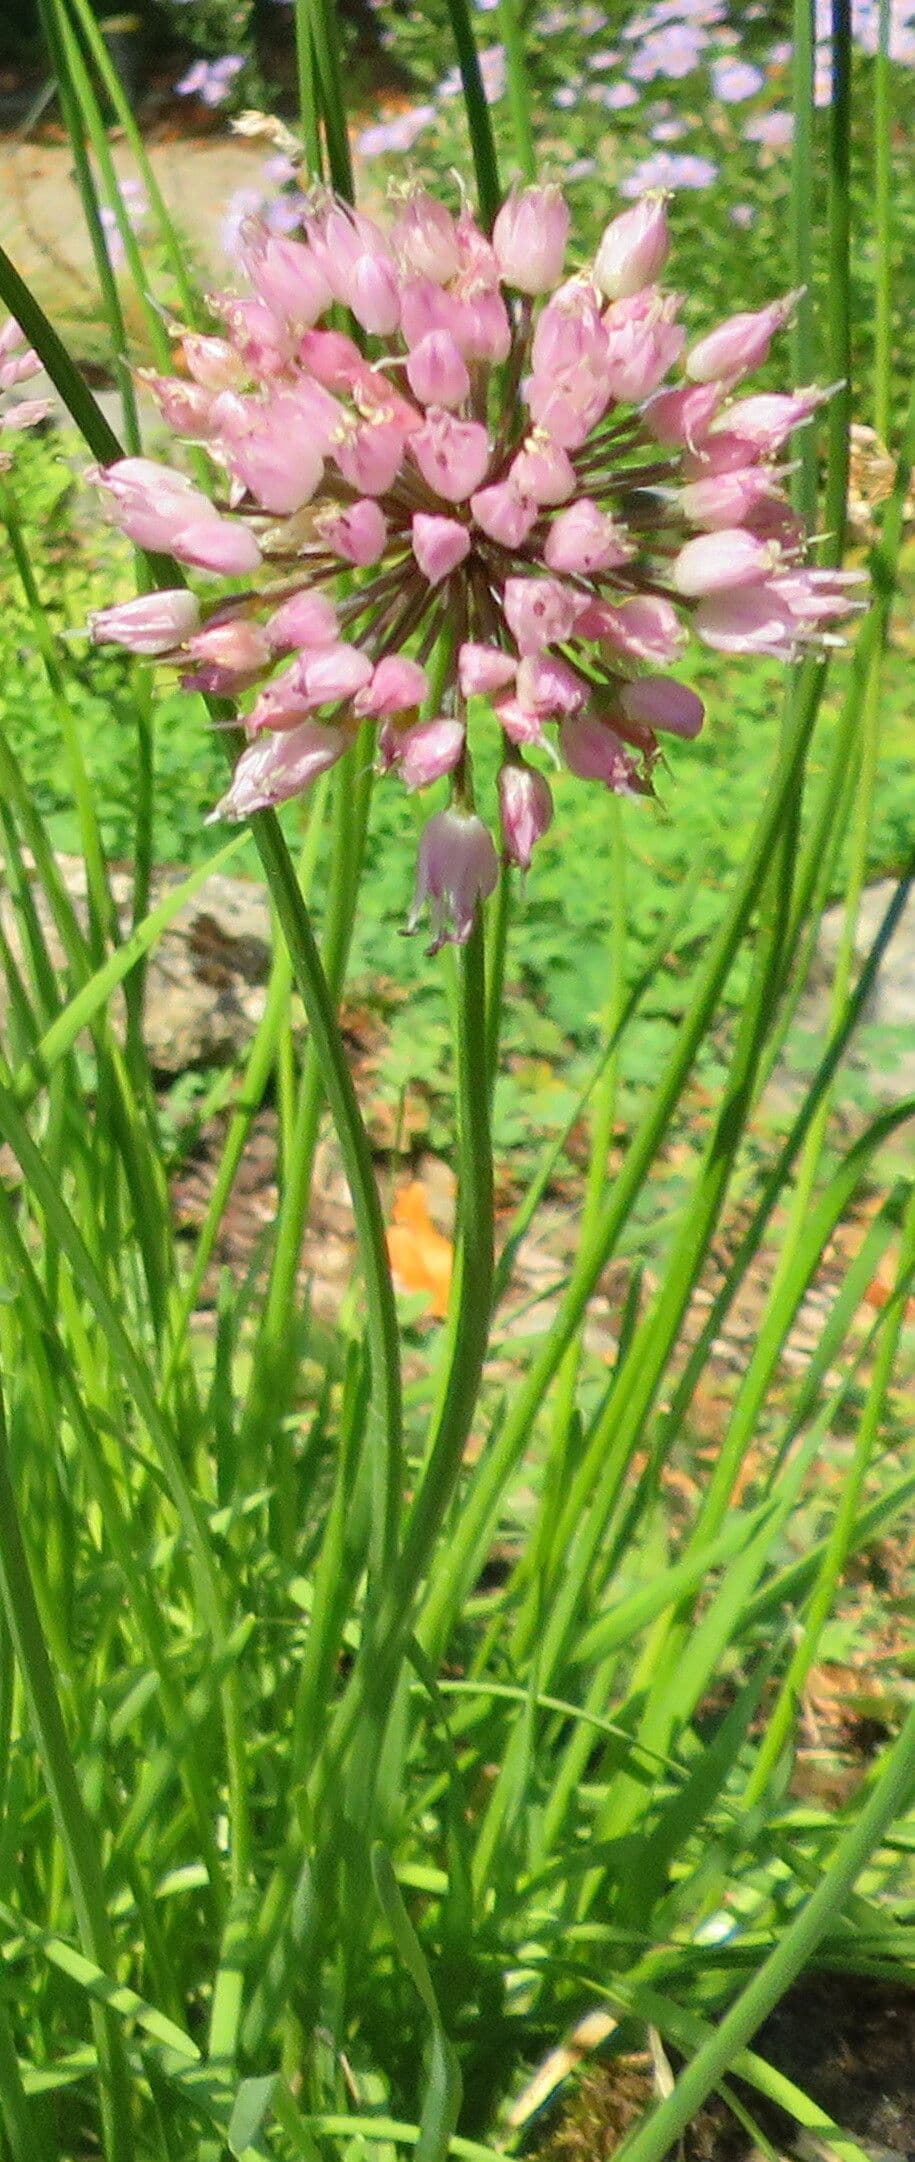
(211, 80)
(518, 461)
(669, 170)
(617, 97)
(774, 130)
(733, 81)
(391, 138)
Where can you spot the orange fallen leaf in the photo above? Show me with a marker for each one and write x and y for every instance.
(421, 1257)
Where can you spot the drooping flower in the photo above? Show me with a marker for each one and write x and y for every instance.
(18, 364)
(514, 472)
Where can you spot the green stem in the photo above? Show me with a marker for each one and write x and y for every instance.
(839, 305)
(308, 99)
(883, 233)
(802, 227)
(74, 1828)
(325, 34)
(520, 88)
(482, 139)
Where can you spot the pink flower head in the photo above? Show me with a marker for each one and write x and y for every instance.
(526, 811)
(385, 504)
(529, 238)
(458, 868)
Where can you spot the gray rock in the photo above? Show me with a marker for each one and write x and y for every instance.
(206, 978)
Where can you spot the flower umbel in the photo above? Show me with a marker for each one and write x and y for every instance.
(515, 471)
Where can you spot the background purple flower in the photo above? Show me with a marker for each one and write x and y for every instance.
(211, 80)
(669, 170)
(393, 137)
(735, 80)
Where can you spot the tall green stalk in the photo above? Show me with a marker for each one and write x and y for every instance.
(802, 226)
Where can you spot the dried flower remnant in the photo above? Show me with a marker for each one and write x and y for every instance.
(522, 475)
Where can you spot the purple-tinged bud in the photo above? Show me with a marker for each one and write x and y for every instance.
(426, 238)
(767, 420)
(153, 625)
(547, 686)
(397, 686)
(540, 612)
(212, 362)
(542, 471)
(634, 249)
(730, 499)
(741, 344)
(749, 619)
(439, 545)
(430, 750)
(436, 372)
(682, 416)
(664, 702)
(356, 534)
(278, 767)
(521, 723)
(583, 539)
(591, 750)
(502, 514)
(452, 455)
(484, 669)
(305, 620)
(529, 238)
(286, 274)
(457, 868)
(717, 562)
(526, 811)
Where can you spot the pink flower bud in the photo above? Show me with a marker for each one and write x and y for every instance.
(429, 750)
(305, 620)
(717, 562)
(260, 339)
(540, 612)
(234, 648)
(397, 686)
(520, 723)
(439, 545)
(12, 336)
(330, 673)
(569, 334)
(542, 471)
(373, 294)
(273, 455)
(529, 238)
(484, 332)
(212, 362)
(452, 455)
(478, 256)
(154, 624)
(663, 702)
(286, 274)
(741, 344)
(647, 628)
(547, 686)
(502, 514)
(457, 868)
(748, 619)
(369, 454)
(591, 750)
(185, 407)
(682, 416)
(278, 767)
(727, 452)
(426, 238)
(19, 369)
(584, 539)
(359, 267)
(526, 810)
(334, 360)
(568, 406)
(730, 499)
(769, 419)
(217, 544)
(484, 669)
(436, 373)
(634, 248)
(150, 502)
(424, 308)
(357, 534)
(643, 343)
